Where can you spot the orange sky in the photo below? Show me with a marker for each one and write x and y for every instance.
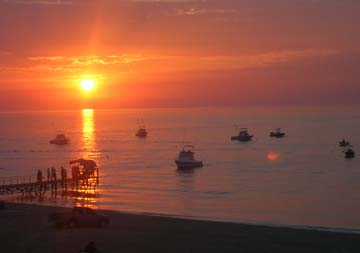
(178, 53)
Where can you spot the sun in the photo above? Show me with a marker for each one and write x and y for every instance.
(87, 84)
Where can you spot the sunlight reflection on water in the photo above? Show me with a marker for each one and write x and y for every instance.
(88, 131)
(301, 179)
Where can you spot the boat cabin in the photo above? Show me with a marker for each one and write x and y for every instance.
(186, 155)
(141, 132)
(243, 135)
(60, 139)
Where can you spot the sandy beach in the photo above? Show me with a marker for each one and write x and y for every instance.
(25, 228)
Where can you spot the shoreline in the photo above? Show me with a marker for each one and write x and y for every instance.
(214, 219)
(25, 228)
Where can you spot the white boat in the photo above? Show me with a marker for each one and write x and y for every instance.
(186, 159)
(242, 136)
(277, 133)
(60, 139)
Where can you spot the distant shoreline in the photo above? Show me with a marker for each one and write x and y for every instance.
(25, 228)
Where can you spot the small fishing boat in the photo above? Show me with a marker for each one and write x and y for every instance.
(60, 139)
(349, 153)
(242, 136)
(277, 133)
(142, 133)
(186, 159)
(344, 143)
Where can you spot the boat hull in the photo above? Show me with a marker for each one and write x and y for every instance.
(277, 135)
(241, 138)
(189, 164)
(349, 155)
(344, 144)
(56, 142)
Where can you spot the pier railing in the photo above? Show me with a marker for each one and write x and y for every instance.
(83, 184)
(16, 180)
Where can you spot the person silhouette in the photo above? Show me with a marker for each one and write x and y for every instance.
(39, 176)
(48, 174)
(91, 248)
(53, 172)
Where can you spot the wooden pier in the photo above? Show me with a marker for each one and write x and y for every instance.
(83, 183)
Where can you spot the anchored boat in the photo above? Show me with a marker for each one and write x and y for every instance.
(277, 133)
(349, 153)
(186, 158)
(242, 136)
(141, 133)
(344, 143)
(60, 139)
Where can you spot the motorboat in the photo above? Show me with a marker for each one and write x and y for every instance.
(60, 139)
(142, 133)
(349, 153)
(186, 159)
(243, 136)
(344, 143)
(277, 133)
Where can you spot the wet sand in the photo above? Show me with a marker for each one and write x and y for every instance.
(25, 228)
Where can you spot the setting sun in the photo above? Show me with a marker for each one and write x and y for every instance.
(87, 84)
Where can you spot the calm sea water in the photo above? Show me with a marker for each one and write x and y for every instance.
(302, 179)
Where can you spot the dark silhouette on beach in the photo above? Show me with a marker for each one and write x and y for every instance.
(91, 248)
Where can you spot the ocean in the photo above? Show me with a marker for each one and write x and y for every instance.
(302, 179)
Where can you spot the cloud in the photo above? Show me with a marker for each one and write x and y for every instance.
(93, 59)
(170, 63)
(276, 57)
(46, 58)
(198, 11)
(39, 2)
(246, 61)
(75, 64)
(167, 1)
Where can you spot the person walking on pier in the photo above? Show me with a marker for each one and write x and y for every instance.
(63, 176)
(39, 176)
(47, 179)
(53, 179)
(65, 179)
(39, 180)
(48, 174)
(53, 174)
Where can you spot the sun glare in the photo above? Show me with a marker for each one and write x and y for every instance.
(87, 84)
